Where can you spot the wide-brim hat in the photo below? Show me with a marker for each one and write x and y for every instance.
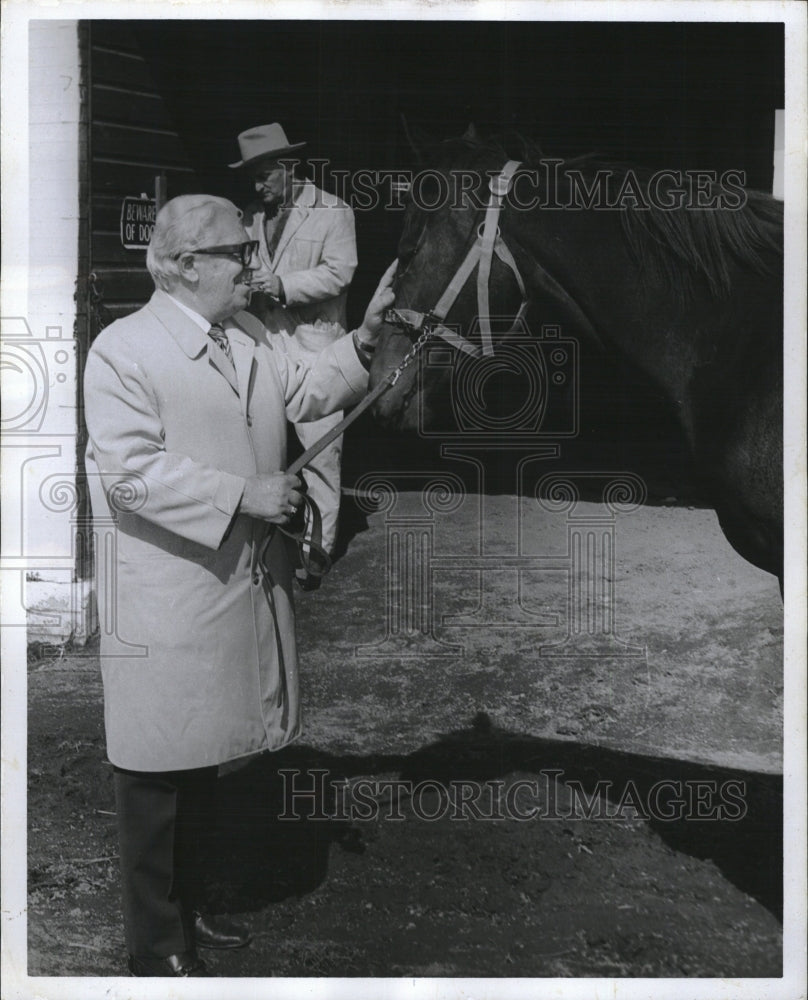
(264, 142)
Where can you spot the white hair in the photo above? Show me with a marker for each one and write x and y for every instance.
(181, 225)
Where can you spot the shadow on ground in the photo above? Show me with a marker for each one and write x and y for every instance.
(275, 858)
(402, 885)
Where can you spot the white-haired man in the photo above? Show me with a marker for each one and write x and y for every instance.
(186, 408)
(307, 253)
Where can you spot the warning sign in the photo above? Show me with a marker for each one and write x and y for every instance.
(137, 222)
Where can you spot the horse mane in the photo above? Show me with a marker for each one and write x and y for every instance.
(705, 240)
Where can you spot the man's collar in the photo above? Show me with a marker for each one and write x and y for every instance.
(200, 320)
(305, 195)
(185, 326)
(189, 329)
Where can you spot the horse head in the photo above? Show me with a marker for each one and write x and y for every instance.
(444, 221)
(682, 279)
(463, 274)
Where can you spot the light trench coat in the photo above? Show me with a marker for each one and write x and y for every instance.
(198, 651)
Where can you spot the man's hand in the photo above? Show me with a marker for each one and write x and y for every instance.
(383, 298)
(272, 496)
(268, 282)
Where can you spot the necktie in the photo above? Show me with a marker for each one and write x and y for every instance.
(218, 336)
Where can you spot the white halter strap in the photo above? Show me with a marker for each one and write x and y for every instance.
(488, 243)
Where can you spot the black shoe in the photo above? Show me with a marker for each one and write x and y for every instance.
(187, 963)
(306, 580)
(218, 932)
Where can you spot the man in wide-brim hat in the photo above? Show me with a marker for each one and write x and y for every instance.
(307, 253)
(263, 143)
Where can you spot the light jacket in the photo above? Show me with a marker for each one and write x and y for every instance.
(315, 259)
(198, 647)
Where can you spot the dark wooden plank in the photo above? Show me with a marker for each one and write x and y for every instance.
(107, 249)
(114, 35)
(125, 69)
(117, 286)
(133, 143)
(113, 103)
(126, 179)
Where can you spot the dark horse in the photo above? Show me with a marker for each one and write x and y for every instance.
(679, 273)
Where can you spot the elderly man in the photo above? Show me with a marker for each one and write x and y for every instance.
(186, 407)
(307, 251)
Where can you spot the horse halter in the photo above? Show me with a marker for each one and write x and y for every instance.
(488, 242)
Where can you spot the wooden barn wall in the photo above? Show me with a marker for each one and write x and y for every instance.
(173, 95)
(132, 140)
(667, 95)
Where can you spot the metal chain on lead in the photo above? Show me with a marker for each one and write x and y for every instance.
(315, 449)
(416, 347)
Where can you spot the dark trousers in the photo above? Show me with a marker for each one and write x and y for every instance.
(163, 817)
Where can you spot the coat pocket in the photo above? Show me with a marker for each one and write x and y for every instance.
(304, 254)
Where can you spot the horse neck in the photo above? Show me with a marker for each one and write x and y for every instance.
(586, 253)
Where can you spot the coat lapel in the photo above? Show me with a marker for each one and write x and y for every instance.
(190, 337)
(222, 365)
(242, 347)
(300, 212)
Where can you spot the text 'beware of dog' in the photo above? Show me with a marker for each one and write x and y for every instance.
(137, 222)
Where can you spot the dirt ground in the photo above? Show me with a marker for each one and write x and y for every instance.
(406, 880)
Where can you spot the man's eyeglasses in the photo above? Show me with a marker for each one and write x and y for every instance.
(243, 251)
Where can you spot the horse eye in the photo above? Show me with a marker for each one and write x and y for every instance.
(410, 242)
(408, 250)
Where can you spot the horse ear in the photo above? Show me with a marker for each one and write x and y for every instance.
(471, 134)
(417, 142)
(521, 147)
(532, 150)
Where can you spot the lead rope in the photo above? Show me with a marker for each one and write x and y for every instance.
(313, 556)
